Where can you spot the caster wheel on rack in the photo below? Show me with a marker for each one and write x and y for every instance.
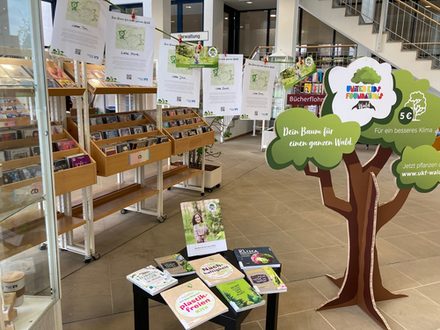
(43, 247)
(124, 211)
(96, 256)
(169, 188)
(218, 185)
(162, 218)
(87, 260)
(202, 194)
(209, 190)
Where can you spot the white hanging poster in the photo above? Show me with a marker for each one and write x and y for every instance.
(258, 83)
(176, 86)
(78, 31)
(222, 87)
(128, 51)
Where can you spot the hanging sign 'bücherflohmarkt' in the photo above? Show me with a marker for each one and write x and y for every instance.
(366, 102)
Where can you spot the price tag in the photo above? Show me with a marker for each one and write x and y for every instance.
(139, 157)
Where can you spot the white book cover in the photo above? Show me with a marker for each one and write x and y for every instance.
(193, 303)
(215, 269)
(151, 280)
(203, 226)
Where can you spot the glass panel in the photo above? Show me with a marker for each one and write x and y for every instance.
(227, 17)
(253, 31)
(314, 32)
(192, 17)
(173, 18)
(272, 22)
(24, 268)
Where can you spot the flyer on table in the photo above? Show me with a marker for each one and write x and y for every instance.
(258, 82)
(129, 56)
(222, 87)
(79, 30)
(176, 86)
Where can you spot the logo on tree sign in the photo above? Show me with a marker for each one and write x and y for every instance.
(363, 91)
(417, 103)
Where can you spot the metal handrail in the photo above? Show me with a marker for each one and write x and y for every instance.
(418, 28)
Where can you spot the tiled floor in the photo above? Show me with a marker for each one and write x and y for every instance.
(282, 209)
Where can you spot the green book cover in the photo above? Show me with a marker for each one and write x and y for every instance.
(240, 295)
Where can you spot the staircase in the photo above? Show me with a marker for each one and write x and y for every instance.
(408, 36)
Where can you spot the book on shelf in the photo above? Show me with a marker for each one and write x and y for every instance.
(240, 295)
(265, 280)
(152, 280)
(8, 135)
(193, 303)
(203, 227)
(60, 164)
(256, 257)
(17, 153)
(96, 136)
(121, 147)
(12, 176)
(109, 150)
(124, 131)
(78, 160)
(35, 150)
(110, 134)
(124, 117)
(175, 265)
(64, 144)
(30, 172)
(215, 269)
(136, 130)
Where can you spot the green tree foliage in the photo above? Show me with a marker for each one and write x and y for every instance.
(366, 75)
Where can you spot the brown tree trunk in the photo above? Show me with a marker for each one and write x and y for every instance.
(357, 286)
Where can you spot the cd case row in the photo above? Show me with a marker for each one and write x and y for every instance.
(182, 122)
(8, 134)
(191, 132)
(116, 148)
(116, 118)
(124, 131)
(24, 152)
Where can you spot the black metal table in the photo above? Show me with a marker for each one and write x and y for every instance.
(231, 320)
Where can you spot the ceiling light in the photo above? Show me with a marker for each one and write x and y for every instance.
(188, 7)
(241, 27)
(427, 6)
(173, 22)
(273, 15)
(226, 18)
(249, 2)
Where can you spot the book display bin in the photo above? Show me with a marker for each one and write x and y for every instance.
(110, 164)
(187, 120)
(66, 180)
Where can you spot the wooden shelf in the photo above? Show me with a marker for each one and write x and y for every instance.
(27, 229)
(187, 143)
(100, 86)
(109, 203)
(173, 175)
(29, 90)
(127, 160)
(66, 91)
(67, 180)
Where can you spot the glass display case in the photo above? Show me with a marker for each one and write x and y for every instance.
(29, 265)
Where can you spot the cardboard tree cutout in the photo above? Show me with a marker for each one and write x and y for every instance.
(366, 102)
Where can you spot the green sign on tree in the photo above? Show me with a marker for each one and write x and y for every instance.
(366, 102)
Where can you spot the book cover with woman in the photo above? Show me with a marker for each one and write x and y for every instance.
(204, 231)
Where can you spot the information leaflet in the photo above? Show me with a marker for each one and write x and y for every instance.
(258, 83)
(176, 86)
(129, 58)
(79, 30)
(222, 87)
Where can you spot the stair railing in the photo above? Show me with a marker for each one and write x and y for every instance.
(415, 25)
